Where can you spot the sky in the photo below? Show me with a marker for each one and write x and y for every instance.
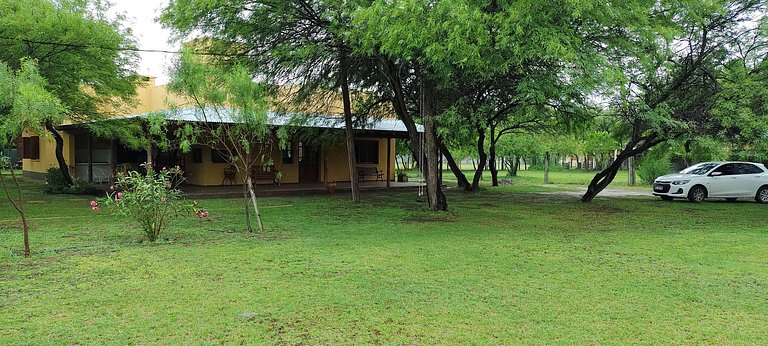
(141, 16)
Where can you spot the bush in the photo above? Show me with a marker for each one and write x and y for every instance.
(151, 200)
(82, 187)
(54, 184)
(651, 168)
(54, 181)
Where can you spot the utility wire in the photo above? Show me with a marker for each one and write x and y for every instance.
(119, 49)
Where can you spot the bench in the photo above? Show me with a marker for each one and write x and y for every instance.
(264, 173)
(363, 172)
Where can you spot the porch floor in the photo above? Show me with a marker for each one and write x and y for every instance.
(236, 191)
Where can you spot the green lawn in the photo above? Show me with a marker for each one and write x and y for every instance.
(503, 266)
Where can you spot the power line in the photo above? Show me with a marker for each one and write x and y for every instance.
(118, 49)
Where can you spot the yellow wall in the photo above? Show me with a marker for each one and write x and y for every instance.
(208, 173)
(48, 154)
(338, 168)
(151, 97)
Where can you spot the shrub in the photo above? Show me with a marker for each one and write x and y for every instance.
(151, 200)
(54, 184)
(54, 181)
(651, 167)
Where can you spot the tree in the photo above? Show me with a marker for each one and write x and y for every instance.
(669, 85)
(230, 114)
(83, 55)
(25, 104)
(288, 41)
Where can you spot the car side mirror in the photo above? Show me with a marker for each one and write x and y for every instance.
(715, 174)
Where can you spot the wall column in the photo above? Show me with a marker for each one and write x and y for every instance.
(90, 158)
(389, 158)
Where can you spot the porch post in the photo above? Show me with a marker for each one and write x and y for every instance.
(90, 158)
(389, 158)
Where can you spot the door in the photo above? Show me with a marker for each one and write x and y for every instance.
(309, 164)
(750, 179)
(725, 184)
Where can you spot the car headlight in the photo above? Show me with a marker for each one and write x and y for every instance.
(680, 182)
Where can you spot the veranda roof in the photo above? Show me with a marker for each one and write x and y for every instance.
(381, 126)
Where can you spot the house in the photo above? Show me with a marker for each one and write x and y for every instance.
(98, 160)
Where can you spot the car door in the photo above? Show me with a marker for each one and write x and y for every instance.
(723, 181)
(749, 179)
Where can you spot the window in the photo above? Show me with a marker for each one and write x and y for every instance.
(727, 169)
(219, 156)
(31, 148)
(197, 155)
(288, 153)
(745, 168)
(367, 151)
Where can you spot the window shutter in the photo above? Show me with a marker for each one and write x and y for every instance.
(20, 147)
(25, 148)
(34, 148)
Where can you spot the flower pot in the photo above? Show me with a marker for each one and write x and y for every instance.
(331, 186)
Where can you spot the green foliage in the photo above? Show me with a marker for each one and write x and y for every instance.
(151, 200)
(25, 104)
(654, 164)
(104, 67)
(54, 182)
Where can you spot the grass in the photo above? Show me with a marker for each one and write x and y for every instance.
(503, 266)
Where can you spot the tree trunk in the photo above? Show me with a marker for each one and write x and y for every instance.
(351, 159)
(401, 109)
(255, 205)
(492, 158)
(460, 176)
(480, 162)
(435, 194)
(19, 206)
(546, 168)
(246, 208)
(59, 151)
(515, 166)
(150, 165)
(631, 171)
(606, 176)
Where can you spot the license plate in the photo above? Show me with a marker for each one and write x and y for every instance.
(658, 188)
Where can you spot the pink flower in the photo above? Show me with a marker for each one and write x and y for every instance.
(94, 204)
(163, 199)
(96, 209)
(165, 168)
(205, 214)
(112, 187)
(119, 195)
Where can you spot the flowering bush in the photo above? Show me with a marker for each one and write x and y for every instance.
(152, 200)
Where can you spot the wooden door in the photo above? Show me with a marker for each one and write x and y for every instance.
(309, 163)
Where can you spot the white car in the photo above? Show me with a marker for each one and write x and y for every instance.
(729, 180)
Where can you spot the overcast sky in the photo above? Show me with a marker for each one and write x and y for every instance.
(149, 35)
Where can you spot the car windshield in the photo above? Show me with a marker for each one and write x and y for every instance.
(699, 169)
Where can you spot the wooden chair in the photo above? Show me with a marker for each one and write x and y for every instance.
(229, 175)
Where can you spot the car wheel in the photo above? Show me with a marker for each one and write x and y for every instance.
(697, 194)
(762, 195)
(667, 198)
(731, 199)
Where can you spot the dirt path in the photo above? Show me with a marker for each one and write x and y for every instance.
(604, 193)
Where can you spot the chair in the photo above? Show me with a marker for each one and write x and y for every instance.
(229, 175)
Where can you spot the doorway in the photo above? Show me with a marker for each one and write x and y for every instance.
(309, 163)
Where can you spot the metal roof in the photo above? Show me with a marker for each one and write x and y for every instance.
(230, 116)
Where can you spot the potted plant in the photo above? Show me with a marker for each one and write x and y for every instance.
(331, 186)
(402, 177)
